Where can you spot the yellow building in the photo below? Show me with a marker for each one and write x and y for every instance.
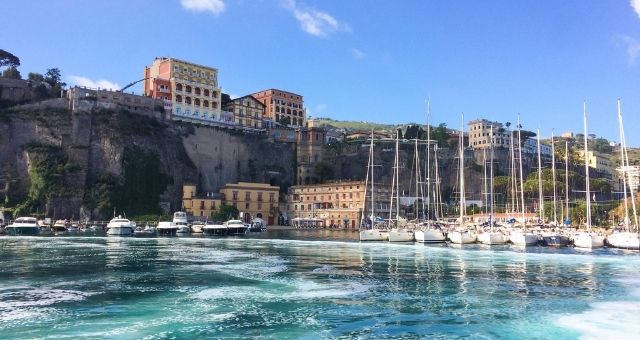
(253, 199)
(200, 206)
(339, 204)
(599, 162)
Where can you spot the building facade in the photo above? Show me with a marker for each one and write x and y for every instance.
(599, 162)
(253, 200)
(190, 91)
(334, 204)
(247, 111)
(632, 174)
(200, 206)
(282, 104)
(480, 132)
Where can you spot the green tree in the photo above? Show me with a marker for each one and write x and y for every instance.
(11, 72)
(53, 77)
(284, 120)
(8, 59)
(226, 212)
(323, 171)
(36, 77)
(440, 134)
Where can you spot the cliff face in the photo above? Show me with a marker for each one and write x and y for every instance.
(103, 160)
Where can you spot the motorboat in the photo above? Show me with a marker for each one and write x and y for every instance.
(624, 240)
(257, 225)
(60, 226)
(523, 238)
(23, 226)
(180, 221)
(73, 228)
(196, 228)
(235, 227)
(214, 229)
(119, 226)
(147, 231)
(462, 236)
(166, 228)
(588, 240)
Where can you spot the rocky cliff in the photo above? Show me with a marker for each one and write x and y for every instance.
(53, 160)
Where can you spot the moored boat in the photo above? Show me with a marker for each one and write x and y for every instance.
(60, 226)
(588, 240)
(523, 238)
(119, 226)
(236, 227)
(401, 235)
(214, 229)
(196, 228)
(23, 226)
(166, 228)
(429, 234)
(492, 237)
(624, 240)
(462, 236)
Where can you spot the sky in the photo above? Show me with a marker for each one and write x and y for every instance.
(372, 60)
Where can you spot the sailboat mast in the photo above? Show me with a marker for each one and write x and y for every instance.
(626, 164)
(428, 172)
(393, 183)
(461, 147)
(491, 181)
(540, 193)
(553, 171)
(624, 172)
(373, 206)
(524, 224)
(485, 193)
(566, 179)
(586, 168)
(366, 185)
(513, 174)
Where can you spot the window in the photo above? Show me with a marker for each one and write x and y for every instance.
(235, 195)
(247, 196)
(259, 197)
(197, 102)
(272, 197)
(187, 100)
(259, 206)
(179, 98)
(178, 87)
(188, 89)
(246, 205)
(205, 103)
(197, 91)
(206, 92)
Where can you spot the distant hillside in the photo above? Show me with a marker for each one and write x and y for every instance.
(353, 125)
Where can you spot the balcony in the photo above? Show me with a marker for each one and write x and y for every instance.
(164, 90)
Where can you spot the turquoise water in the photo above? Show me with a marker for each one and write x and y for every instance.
(247, 287)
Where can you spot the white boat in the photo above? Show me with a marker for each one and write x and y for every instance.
(23, 226)
(401, 235)
(236, 227)
(523, 238)
(147, 231)
(196, 228)
(492, 237)
(588, 240)
(257, 225)
(73, 228)
(119, 226)
(166, 228)
(429, 234)
(214, 229)
(375, 234)
(180, 221)
(624, 240)
(60, 226)
(462, 236)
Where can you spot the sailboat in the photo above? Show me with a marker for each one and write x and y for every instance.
(553, 238)
(492, 236)
(462, 234)
(428, 233)
(626, 239)
(374, 232)
(400, 232)
(587, 239)
(520, 237)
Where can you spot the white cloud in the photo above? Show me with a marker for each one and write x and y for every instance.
(356, 53)
(633, 47)
(635, 4)
(214, 6)
(86, 82)
(315, 22)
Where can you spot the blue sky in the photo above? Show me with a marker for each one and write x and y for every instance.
(363, 60)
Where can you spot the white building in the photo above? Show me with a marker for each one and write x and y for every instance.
(480, 134)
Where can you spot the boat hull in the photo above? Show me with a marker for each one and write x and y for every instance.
(624, 240)
(214, 231)
(462, 237)
(22, 231)
(430, 236)
(374, 235)
(401, 235)
(492, 238)
(167, 231)
(588, 241)
(523, 239)
(120, 231)
(236, 231)
(555, 241)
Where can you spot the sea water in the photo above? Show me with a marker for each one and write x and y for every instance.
(111, 287)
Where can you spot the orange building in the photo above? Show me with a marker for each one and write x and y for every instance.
(282, 104)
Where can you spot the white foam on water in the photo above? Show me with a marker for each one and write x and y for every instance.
(610, 319)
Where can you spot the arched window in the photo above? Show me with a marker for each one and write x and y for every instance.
(214, 105)
(187, 100)
(205, 103)
(188, 89)
(295, 113)
(196, 102)
(295, 121)
(179, 98)
(288, 111)
(197, 91)
(178, 87)
(206, 92)
(214, 94)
